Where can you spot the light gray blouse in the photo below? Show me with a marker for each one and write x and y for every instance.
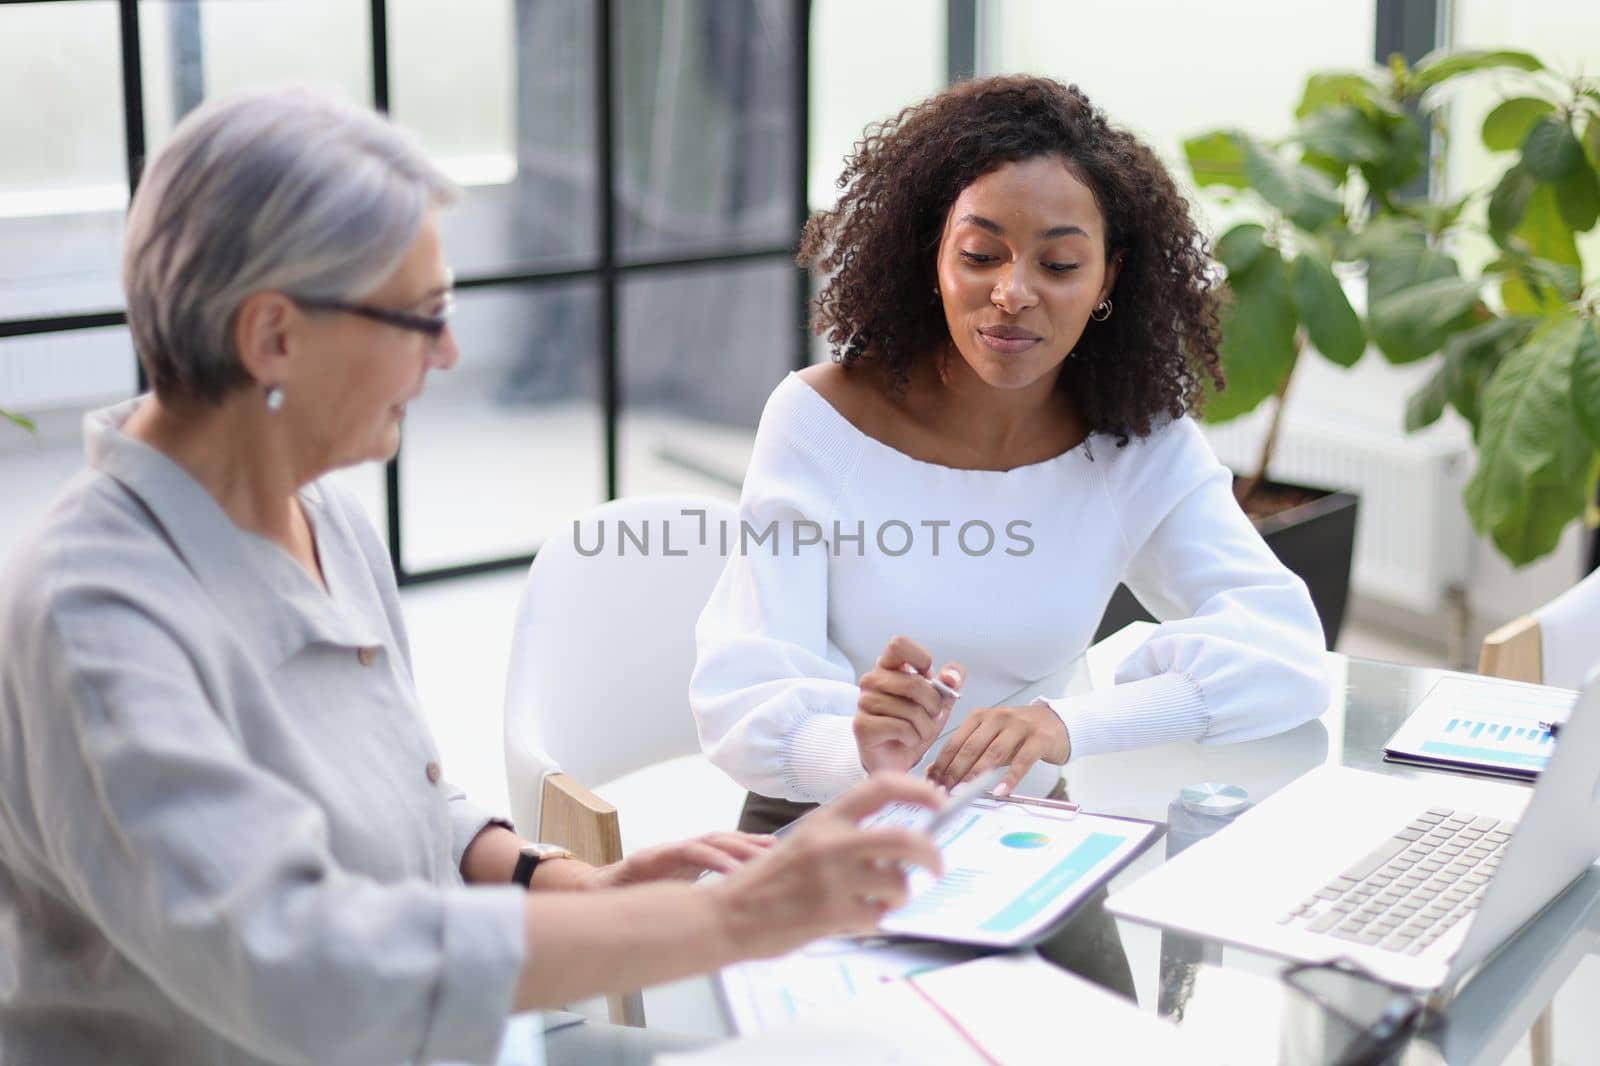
(224, 837)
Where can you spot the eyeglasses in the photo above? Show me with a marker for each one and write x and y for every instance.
(431, 325)
(1377, 1038)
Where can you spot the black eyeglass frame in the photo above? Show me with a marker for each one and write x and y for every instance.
(431, 325)
(1377, 1041)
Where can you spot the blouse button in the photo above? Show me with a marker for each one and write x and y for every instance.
(366, 656)
(433, 773)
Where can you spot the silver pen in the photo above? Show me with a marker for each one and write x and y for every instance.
(939, 684)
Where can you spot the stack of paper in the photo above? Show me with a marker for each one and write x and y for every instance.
(1010, 1009)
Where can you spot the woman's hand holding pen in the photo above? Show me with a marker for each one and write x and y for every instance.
(902, 710)
(998, 736)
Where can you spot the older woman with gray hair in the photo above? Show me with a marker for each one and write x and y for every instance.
(224, 836)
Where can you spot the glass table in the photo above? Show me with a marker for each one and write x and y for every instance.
(1199, 983)
(1490, 1013)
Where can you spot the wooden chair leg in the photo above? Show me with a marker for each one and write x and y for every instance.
(587, 826)
(1542, 1039)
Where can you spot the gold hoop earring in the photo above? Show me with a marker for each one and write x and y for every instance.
(1102, 311)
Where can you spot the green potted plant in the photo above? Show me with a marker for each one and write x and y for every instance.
(1524, 367)
(1339, 196)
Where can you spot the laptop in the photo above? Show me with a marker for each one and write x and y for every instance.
(1416, 879)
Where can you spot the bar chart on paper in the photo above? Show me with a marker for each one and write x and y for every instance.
(1496, 740)
(1473, 723)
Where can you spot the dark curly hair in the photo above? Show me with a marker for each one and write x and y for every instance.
(879, 243)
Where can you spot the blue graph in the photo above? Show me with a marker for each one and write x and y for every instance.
(1497, 742)
(1531, 734)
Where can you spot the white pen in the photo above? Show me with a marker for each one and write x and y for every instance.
(937, 682)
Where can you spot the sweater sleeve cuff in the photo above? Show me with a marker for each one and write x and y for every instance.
(482, 956)
(467, 820)
(1155, 710)
(820, 759)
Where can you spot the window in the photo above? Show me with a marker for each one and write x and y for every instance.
(633, 190)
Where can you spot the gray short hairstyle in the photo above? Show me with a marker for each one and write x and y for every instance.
(285, 189)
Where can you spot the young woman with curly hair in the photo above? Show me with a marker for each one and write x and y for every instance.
(1023, 317)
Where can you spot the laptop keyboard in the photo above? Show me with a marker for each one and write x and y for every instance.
(1412, 889)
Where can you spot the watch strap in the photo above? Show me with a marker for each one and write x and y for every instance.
(527, 861)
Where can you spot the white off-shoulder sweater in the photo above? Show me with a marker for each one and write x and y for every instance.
(846, 542)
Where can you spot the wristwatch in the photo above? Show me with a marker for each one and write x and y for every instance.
(531, 856)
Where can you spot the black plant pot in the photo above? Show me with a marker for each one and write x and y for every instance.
(1316, 539)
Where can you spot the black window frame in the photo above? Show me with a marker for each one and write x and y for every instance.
(607, 270)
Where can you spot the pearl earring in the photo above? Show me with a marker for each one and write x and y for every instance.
(275, 398)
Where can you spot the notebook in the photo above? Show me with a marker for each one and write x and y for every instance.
(1482, 725)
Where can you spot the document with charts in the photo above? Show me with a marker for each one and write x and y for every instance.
(762, 993)
(1014, 1008)
(1013, 869)
(1482, 725)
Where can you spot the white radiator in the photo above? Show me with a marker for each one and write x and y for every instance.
(1413, 538)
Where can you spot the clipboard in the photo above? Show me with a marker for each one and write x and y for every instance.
(1016, 869)
(830, 972)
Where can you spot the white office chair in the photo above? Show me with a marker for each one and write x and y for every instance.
(599, 681)
(1558, 644)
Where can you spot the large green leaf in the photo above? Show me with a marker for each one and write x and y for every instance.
(1591, 141)
(1258, 337)
(1478, 353)
(1336, 169)
(1543, 232)
(1399, 257)
(1532, 458)
(1523, 298)
(1405, 154)
(1342, 132)
(1441, 66)
(1331, 323)
(1551, 150)
(1586, 382)
(1467, 360)
(1509, 201)
(1305, 195)
(1508, 125)
(1578, 197)
(1535, 286)
(1436, 216)
(1215, 159)
(1426, 406)
(1415, 322)
(1330, 88)
(1240, 247)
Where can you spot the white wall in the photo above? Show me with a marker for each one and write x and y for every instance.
(869, 59)
(1167, 69)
